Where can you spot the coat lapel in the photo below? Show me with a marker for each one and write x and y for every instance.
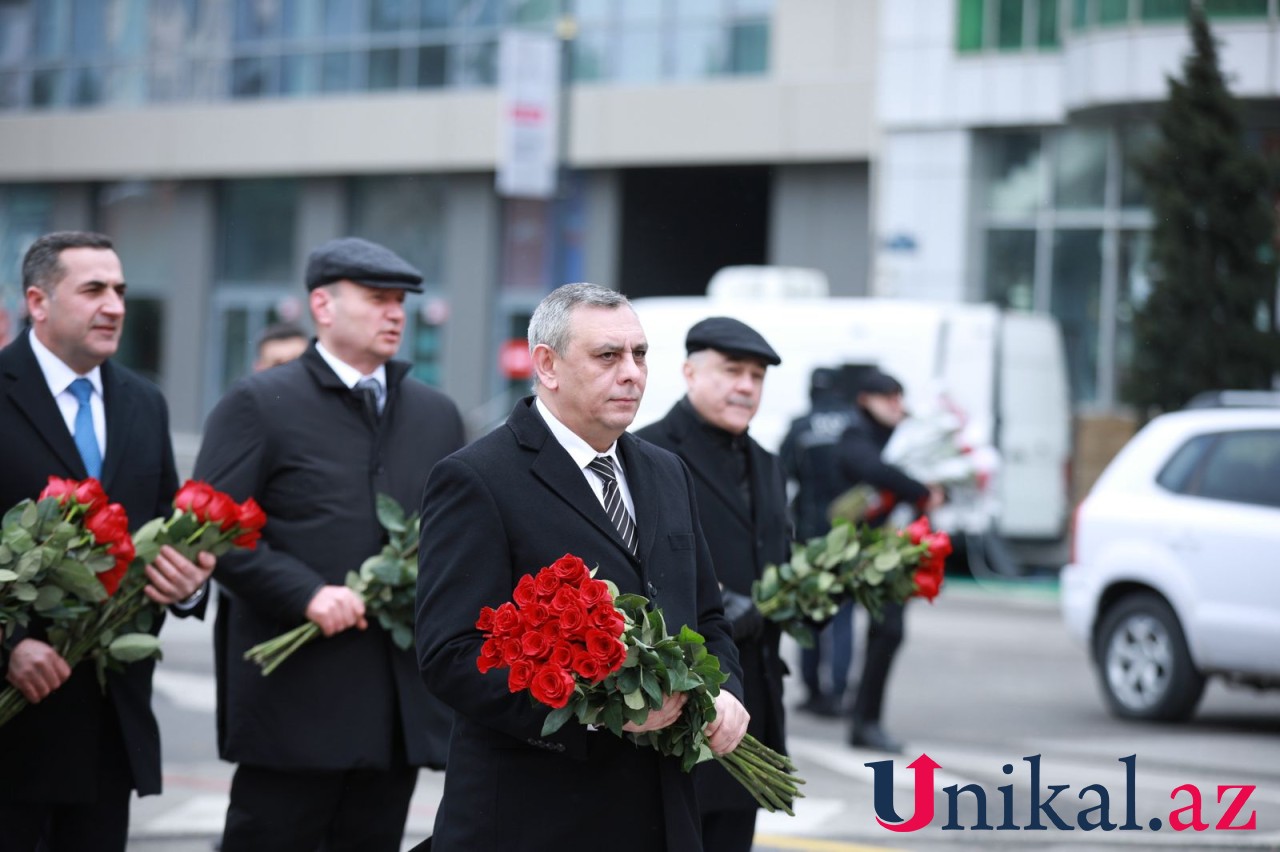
(644, 494)
(118, 400)
(707, 462)
(30, 394)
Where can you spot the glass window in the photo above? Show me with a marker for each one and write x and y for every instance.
(256, 19)
(1177, 472)
(52, 19)
(475, 13)
(13, 89)
(253, 76)
(640, 11)
(1080, 168)
(748, 48)
(1079, 14)
(142, 337)
(1047, 24)
(338, 71)
(1236, 8)
(533, 11)
(969, 24)
(1011, 268)
(639, 55)
(384, 69)
(590, 57)
(390, 15)
(301, 74)
(698, 10)
(1075, 302)
(127, 31)
(15, 33)
(86, 86)
(88, 28)
(1015, 186)
(48, 88)
(592, 11)
(1133, 287)
(1009, 23)
(698, 51)
(1113, 11)
(302, 19)
(1164, 10)
(256, 224)
(433, 65)
(1243, 467)
(435, 13)
(340, 18)
(126, 85)
(405, 213)
(1135, 141)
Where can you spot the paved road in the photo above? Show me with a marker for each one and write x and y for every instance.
(987, 679)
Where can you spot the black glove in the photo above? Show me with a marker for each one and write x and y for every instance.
(746, 620)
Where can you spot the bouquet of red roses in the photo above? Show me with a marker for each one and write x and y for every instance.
(577, 646)
(870, 566)
(386, 582)
(72, 539)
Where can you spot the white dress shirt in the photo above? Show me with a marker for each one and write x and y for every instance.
(583, 454)
(58, 376)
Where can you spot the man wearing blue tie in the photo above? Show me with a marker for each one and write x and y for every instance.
(73, 759)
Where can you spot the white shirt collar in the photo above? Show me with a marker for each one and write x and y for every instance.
(57, 375)
(579, 450)
(347, 374)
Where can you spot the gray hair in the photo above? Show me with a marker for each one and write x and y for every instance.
(42, 265)
(550, 321)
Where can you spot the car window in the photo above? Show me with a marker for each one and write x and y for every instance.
(1243, 467)
(1180, 469)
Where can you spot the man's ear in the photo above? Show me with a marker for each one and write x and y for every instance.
(321, 303)
(37, 304)
(544, 365)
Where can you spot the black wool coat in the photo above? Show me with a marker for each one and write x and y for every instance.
(50, 750)
(508, 505)
(300, 442)
(742, 541)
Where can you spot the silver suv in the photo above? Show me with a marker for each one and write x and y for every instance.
(1175, 569)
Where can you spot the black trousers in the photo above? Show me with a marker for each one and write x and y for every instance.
(729, 831)
(101, 825)
(354, 810)
(884, 637)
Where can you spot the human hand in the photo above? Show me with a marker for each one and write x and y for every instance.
(173, 577)
(672, 705)
(937, 496)
(36, 670)
(335, 609)
(730, 725)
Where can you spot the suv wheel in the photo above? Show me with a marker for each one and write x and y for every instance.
(1142, 661)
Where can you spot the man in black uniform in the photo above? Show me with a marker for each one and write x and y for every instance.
(880, 410)
(742, 502)
(329, 745)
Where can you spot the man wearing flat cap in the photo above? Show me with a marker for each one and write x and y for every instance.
(742, 503)
(329, 745)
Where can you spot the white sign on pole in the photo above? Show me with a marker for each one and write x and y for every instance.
(529, 124)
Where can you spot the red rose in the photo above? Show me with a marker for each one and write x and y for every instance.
(506, 621)
(566, 597)
(109, 524)
(561, 655)
(485, 621)
(89, 494)
(939, 546)
(250, 517)
(222, 511)
(552, 686)
(490, 656)
(546, 584)
(193, 497)
(58, 488)
(927, 584)
(535, 645)
(605, 617)
(248, 540)
(599, 643)
(573, 620)
(534, 615)
(512, 650)
(550, 629)
(594, 592)
(588, 667)
(520, 675)
(918, 529)
(570, 569)
(110, 579)
(524, 593)
(124, 551)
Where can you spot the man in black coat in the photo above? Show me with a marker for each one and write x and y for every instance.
(515, 501)
(329, 744)
(742, 501)
(72, 759)
(880, 410)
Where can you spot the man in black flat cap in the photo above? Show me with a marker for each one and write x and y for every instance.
(742, 502)
(328, 745)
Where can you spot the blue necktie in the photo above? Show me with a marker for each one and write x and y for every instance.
(86, 439)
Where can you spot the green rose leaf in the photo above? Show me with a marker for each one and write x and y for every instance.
(132, 647)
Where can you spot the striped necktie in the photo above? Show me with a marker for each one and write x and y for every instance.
(614, 507)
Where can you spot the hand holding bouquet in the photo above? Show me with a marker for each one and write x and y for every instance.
(577, 646)
(870, 566)
(386, 581)
(72, 538)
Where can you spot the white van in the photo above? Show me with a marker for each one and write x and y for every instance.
(1004, 372)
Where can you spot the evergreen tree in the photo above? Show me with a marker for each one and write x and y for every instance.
(1209, 321)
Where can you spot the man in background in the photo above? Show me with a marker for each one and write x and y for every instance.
(280, 343)
(742, 503)
(73, 758)
(329, 745)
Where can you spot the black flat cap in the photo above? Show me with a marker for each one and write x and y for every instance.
(728, 335)
(876, 382)
(354, 259)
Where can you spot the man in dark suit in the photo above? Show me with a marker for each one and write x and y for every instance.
(329, 745)
(743, 505)
(73, 758)
(516, 500)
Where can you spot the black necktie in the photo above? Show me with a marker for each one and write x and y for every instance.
(370, 391)
(614, 507)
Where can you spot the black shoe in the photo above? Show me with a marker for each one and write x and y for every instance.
(827, 706)
(871, 735)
